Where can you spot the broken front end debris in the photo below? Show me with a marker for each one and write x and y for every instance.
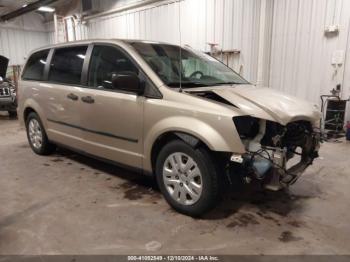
(276, 155)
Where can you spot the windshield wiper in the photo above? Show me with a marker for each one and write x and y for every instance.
(186, 84)
(227, 83)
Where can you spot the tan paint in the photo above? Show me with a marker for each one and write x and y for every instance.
(272, 105)
(145, 119)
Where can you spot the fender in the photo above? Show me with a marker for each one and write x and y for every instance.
(226, 140)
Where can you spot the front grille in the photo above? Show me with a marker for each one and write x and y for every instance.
(5, 91)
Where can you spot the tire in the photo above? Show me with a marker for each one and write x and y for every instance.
(37, 137)
(12, 114)
(176, 186)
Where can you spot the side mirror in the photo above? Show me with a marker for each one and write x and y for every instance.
(127, 81)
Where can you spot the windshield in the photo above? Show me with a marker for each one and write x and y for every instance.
(195, 68)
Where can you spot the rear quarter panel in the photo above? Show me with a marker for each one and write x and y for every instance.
(29, 95)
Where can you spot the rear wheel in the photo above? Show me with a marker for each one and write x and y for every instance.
(187, 178)
(37, 137)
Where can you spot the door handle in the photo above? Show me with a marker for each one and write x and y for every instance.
(88, 99)
(72, 97)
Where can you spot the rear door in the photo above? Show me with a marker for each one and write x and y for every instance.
(63, 91)
(112, 119)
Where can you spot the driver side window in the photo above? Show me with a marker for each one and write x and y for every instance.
(105, 63)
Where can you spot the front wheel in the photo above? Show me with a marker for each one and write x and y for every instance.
(187, 178)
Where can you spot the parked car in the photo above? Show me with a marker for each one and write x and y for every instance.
(8, 101)
(176, 113)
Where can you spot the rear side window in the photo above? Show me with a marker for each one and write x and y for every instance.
(67, 64)
(34, 69)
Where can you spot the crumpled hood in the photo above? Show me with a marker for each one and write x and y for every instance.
(3, 66)
(269, 104)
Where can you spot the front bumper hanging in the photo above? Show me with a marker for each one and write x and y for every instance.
(269, 164)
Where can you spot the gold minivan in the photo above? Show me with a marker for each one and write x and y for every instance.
(173, 112)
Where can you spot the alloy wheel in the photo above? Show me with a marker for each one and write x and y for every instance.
(35, 133)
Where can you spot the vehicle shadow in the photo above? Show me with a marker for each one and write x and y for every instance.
(137, 185)
(136, 177)
(263, 202)
(5, 116)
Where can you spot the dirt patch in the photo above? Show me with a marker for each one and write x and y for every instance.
(243, 220)
(268, 217)
(295, 223)
(57, 160)
(270, 205)
(287, 236)
(135, 191)
(280, 203)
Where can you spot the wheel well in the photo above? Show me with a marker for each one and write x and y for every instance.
(170, 136)
(27, 111)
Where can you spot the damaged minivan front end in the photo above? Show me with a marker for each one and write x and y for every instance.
(276, 154)
(280, 133)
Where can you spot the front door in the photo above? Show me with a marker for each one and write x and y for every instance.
(112, 120)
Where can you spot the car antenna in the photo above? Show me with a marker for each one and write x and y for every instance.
(180, 60)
